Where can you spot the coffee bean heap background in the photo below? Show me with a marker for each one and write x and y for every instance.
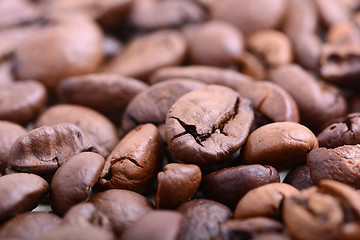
(171, 119)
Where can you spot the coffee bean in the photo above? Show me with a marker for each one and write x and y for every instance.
(106, 93)
(308, 50)
(135, 161)
(156, 225)
(206, 74)
(154, 51)
(208, 125)
(282, 145)
(21, 102)
(338, 164)
(20, 192)
(264, 201)
(29, 225)
(203, 219)
(342, 131)
(9, 132)
(85, 214)
(177, 184)
(98, 129)
(251, 65)
(155, 14)
(122, 207)
(317, 101)
(72, 181)
(152, 104)
(43, 150)
(229, 185)
(215, 43)
(299, 177)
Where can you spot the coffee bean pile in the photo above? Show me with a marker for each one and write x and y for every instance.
(174, 119)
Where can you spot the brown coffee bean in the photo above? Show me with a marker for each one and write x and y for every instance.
(208, 75)
(177, 184)
(342, 131)
(208, 125)
(282, 145)
(85, 214)
(251, 65)
(301, 18)
(106, 93)
(20, 192)
(29, 225)
(299, 178)
(154, 51)
(307, 49)
(272, 47)
(135, 161)
(268, 14)
(253, 228)
(122, 207)
(216, 43)
(43, 150)
(203, 219)
(72, 181)
(9, 132)
(338, 164)
(77, 233)
(264, 201)
(229, 185)
(339, 64)
(155, 14)
(317, 101)
(21, 102)
(65, 44)
(271, 100)
(156, 225)
(100, 131)
(312, 215)
(152, 104)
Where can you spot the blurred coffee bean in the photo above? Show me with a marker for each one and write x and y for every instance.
(299, 177)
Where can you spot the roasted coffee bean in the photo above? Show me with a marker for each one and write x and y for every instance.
(98, 129)
(299, 178)
(154, 51)
(177, 184)
(206, 74)
(21, 102)
(152, 104)
(154, 14)
(106, 93)
(65, 44)
(203, 219)
(339, 65)
(135, 161)
(20, 192)
(207, 125)
(229, 185)
(317, 101)
(72, 181)
(308, 50)
(272, 47)
(216, 43)
(9, 132)
(29, 225)
(77, 233)
(271, 100)
(122, 207)
(269, 14)
(85, 214)
(156, 225)
(252, 228)
(43, 150)
(312, 215)
(264, 201)
(342, 131)
(338, 164)
(251, 65)
(281, 145)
